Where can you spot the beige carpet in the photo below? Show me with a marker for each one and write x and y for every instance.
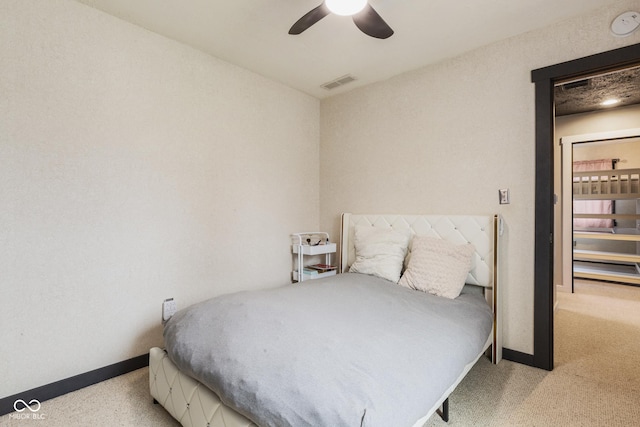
(596, 380)
(121, 401)
(597, 361)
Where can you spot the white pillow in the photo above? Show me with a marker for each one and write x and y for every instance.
(380, 251)
(437, 266)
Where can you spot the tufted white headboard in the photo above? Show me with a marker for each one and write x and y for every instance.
(481, 231)
(458, 229)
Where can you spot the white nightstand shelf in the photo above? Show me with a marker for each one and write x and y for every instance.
(311, 244)
(312, 276)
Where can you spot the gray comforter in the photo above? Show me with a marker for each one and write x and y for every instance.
(348, 350)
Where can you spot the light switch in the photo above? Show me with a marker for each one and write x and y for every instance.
(504, 196)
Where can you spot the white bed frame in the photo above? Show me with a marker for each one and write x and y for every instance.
(193, 404)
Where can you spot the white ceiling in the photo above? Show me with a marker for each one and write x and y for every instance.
(253, 33)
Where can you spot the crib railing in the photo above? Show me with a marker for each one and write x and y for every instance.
(607, 184)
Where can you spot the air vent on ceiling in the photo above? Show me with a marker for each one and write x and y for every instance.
(576, 84)
(340, 81)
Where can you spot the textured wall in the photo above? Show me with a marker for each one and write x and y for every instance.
(133, 169)
(445, 138)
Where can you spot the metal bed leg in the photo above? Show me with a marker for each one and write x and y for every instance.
(444, 412)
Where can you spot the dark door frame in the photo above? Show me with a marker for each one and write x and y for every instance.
(545, 79)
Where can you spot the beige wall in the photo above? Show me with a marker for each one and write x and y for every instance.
(445, 138)
(595, 122)
(133, 169)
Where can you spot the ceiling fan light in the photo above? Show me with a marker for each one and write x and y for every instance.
(345, 7)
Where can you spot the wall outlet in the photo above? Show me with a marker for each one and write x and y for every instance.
(504, 196)
(169, 307)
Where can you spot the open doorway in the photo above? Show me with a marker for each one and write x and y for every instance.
(598, 216)
(597, 317)
(594, 119)
(545, 80)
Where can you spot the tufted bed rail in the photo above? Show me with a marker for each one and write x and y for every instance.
(187, 400)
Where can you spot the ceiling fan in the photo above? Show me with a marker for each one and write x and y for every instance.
(363, 15)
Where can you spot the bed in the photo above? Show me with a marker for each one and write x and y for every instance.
(241, 387)
(614, 184)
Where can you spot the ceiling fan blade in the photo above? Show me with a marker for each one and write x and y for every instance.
(372, 24)
(309, 19)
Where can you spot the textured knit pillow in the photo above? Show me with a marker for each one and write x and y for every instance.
(437, 266)
(380, 251)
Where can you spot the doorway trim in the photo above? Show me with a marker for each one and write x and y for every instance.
(545, 80)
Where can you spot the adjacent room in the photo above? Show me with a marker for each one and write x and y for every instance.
(154, 151)
(595, 275)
